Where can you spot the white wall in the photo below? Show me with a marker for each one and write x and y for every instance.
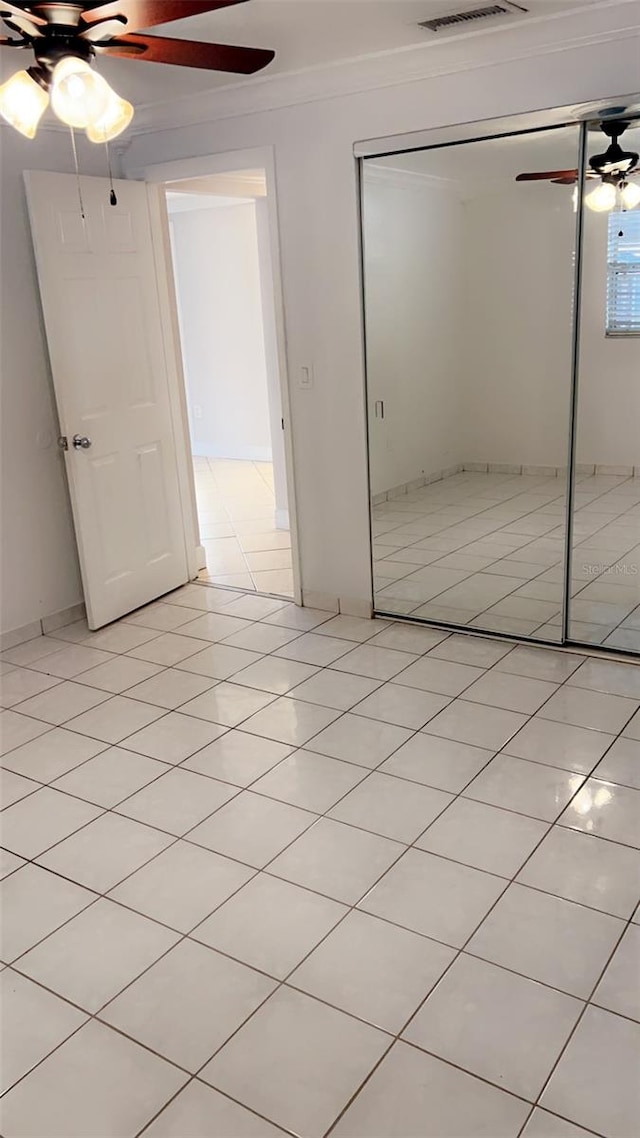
(469, 332)
(317, 204)
(517, 341)
(318, 212)
(516, 325)
(39, 567)
(413, 273)
(217, 276)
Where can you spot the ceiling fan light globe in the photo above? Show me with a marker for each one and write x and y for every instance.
(79, 96)
(603, 198)
(22, 103)
(116, 118)
(630, 195)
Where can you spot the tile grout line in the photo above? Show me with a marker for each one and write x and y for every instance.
(416, 732)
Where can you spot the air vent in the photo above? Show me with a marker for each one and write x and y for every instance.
(455, 19)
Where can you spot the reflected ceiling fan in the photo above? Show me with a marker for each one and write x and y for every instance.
(611, 169)
(65, 37)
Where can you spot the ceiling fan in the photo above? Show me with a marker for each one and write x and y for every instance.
(65, 37)
(611, 169)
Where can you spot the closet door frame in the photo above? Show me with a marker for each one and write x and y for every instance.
(573, 116)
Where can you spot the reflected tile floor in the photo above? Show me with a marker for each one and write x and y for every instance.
(247, 896)
(485, 550)
(236, 512)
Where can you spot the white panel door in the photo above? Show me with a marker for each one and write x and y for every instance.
(102, 314)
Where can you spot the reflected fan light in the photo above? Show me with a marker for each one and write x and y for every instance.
(587, 800)
(630, 195)
(603, 198)
(22, 103)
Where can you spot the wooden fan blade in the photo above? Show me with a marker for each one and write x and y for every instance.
(105, 30)
(9, 10)
(550, 174)
(189, 53)
(150, 13)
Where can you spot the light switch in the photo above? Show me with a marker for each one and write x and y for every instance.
(306, 376)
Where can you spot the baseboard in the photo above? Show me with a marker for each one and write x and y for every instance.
(357, 606)
(20, 635)
(41, 627)
(323, 601)
(201, 557)
(530, 469)
(537, 470)
(417, 483)
(282, 519)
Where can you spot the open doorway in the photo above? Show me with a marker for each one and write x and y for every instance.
(221, 253)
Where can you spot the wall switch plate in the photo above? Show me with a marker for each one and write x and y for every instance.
(197, 411)
(306, 376)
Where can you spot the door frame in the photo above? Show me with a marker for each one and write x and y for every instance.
(225, 162)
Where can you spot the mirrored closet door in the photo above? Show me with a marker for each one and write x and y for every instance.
(605, 558)
(469, 292)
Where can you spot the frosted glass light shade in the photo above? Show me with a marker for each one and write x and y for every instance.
(602, 198)
(630, 195)
(22, 103)
(78, 95)
(115, 118)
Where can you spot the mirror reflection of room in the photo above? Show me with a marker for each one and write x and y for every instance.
(605, 605)
(469, 278)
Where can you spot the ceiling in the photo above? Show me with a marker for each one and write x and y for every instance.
(304, 33)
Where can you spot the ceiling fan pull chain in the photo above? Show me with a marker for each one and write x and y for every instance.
(75, 159)
(112, 193)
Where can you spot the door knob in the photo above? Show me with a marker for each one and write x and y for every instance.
(81, 442)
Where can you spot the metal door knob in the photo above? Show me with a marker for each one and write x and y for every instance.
(81, 442)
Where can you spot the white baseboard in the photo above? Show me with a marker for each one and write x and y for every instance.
(64, 617)
(500, 468)
(357, 606)
(19, 635)
(41, 627)
(324, 601)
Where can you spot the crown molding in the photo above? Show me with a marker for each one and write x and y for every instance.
(406, 179)
(529, 37)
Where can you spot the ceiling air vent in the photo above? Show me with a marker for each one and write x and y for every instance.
(471, 15)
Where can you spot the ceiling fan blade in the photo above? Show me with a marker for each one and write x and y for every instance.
(564, 181)
(189, 53)
(541, 175)
(15, 13)
(105, 30)
(149, 13)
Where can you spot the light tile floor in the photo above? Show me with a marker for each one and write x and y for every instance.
(236, 511)
(486, 550)
(253, 889)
